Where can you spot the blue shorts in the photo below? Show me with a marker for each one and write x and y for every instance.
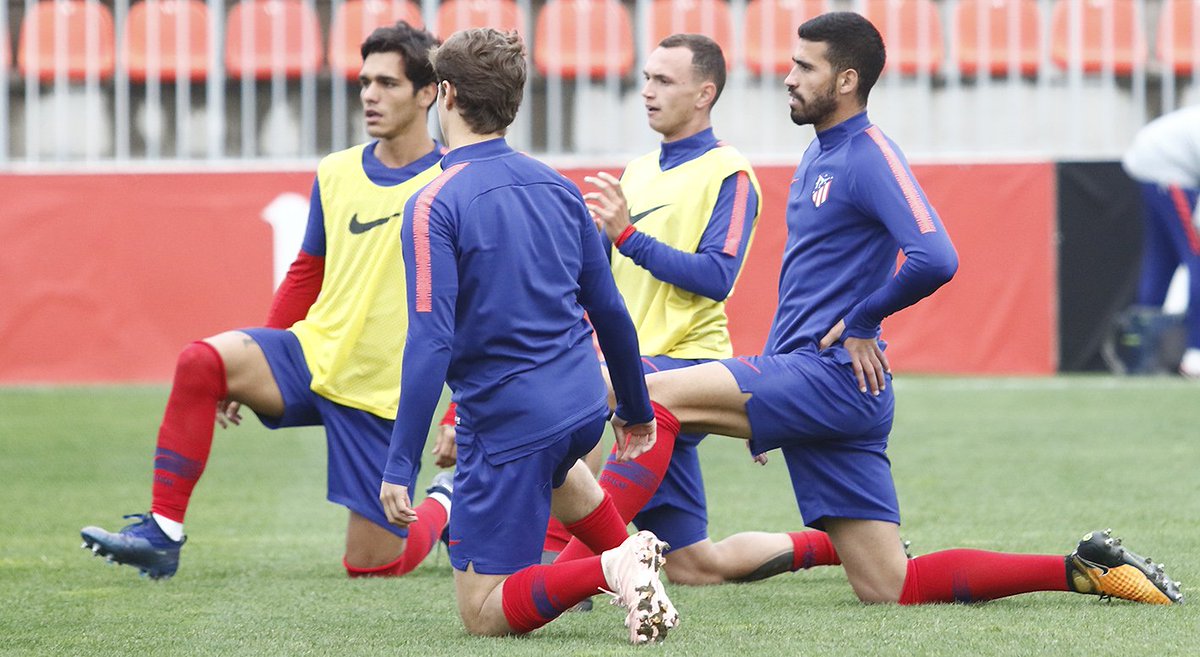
(678, 512)
(357, 441)
(501, 509)
(833, 437)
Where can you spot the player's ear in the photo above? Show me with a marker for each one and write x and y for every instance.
(708, 94)
(848, 82)
(427, 95)
(448, 94)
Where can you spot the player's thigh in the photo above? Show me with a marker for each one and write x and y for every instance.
(704, 398)
(357, 442)
(501, 509)
(248, 375)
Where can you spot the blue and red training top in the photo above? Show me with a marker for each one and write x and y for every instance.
(502, 260)
(853, 202)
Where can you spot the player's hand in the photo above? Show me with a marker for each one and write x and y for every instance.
(868, 360)
(633, 440)
(445, 452)
(760, 459)
(396, 504)
(229, 412)
(608, 207)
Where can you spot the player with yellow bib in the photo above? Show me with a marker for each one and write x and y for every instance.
(330, 354)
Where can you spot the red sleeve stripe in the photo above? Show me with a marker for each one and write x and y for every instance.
(1183, 210)
(421, 237)
(907, 185)
(737, 222)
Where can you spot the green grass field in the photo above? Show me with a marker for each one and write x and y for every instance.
(1003, 464)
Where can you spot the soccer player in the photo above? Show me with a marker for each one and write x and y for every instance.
(1165, 160)
(328, 354)
(502, 261)
(681, 220)
(820, 392)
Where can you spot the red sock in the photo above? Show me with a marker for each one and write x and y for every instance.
(537, 595)
(812, 548)
(602, 529)
(186, 434)
(632, 484)
(557, 536)
(976, 575)
(422, 536)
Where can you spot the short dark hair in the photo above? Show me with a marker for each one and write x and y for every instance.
(852, 42)
(411, 43)
(707, 59)
(487, 68)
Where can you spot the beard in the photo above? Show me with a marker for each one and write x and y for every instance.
(814, 110)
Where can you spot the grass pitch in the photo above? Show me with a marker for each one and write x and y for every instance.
(1002, 464)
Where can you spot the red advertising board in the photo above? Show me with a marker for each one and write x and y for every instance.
(104, 278)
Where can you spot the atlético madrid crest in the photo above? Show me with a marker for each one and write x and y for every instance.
(821, 189)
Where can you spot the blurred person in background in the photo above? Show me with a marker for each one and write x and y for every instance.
(1165, 160)
(329, 352)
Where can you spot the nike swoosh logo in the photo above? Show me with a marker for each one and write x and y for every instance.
(357, 228)
(641, 215)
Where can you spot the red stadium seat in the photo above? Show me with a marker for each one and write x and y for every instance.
(771, 32)
(1179, 35)
(912, 33)
(1010, 28)
(353, 23)
(588, 38)
(708, 17)
(262, 36)
(1111, 31)
(180, 47)
(86, 27)
(455, 15)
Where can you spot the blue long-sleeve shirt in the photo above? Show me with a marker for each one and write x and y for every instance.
(852, 203)
(502, 260)
(711, 270)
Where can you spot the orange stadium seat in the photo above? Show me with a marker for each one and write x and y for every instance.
(353, 23)
(89, 44)
(454, 15)
(588, 38)
(1010, 27)
(770, 35)
(912, 33)
(181, 25)
(1124, 46)
(264, 35)
(1179, 35)
(709, 17)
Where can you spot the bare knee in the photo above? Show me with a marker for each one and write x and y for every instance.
(698, 564)
(873, 557)
(690, 575)
(370, 546)
(476, 625)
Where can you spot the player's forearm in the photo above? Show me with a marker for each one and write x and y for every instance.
(923, 272)
(708, 274)
(297, 292)
(618, 341)
(425, 364)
